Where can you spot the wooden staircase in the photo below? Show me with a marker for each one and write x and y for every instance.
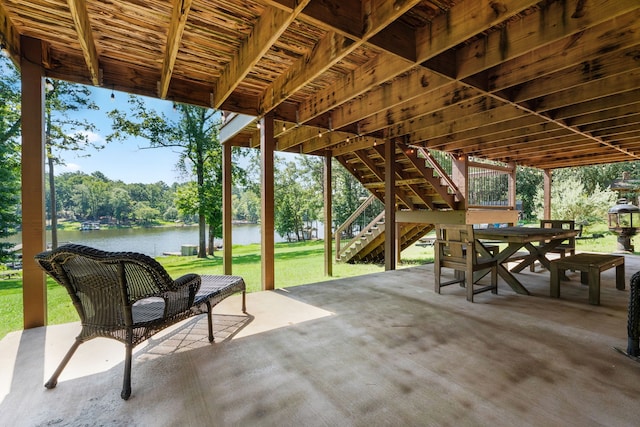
(421, 184)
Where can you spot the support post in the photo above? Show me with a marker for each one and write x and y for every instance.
(227, 227)
(547, 194)
(512, 185)
(267, 144)
(390, 232)
(33, 202)
(328, 220)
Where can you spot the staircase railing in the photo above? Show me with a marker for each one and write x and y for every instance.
(355, 216)
(444, 176)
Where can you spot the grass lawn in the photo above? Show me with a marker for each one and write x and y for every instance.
(296, 264)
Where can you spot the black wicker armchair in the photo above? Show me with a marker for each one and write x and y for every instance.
(129, 297)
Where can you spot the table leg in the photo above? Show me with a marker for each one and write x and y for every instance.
(594, 285)
(555, 282)
(506, 275)
(511, 280)
(620, 277)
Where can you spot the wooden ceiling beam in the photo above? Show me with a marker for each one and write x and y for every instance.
(478, 142)
(620, 33)
(589, 69)
(447, 122)
(368, 104)
(464, 20)
(332, 48)
(269, 27)
(379, 69)
(389, 66)
(593, 90)
(179, 16)
(624, 118)
(9, 36)
(416, 83)
(456, 140)
(354, 144)
(78, 9)
(552, 22)
(598, 105)
(586, 160)
(515, 149)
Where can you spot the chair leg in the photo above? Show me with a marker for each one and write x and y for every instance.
(244, 301)
(469, 284)
(210, 322)
(53, 381)
(126, 383)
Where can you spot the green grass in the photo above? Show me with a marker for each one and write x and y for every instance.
(295, 264)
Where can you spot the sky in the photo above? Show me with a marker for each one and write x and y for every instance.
(127, 161)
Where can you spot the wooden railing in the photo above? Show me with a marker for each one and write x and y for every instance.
(348, 224)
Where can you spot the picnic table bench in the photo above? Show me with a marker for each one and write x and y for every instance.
(590, 266)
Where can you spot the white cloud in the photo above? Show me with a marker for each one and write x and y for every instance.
(92, 137)
(69, 167)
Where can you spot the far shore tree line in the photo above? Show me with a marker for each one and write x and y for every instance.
(580, 194)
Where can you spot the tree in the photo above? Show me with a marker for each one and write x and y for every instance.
(64, 131)
(600, 176)
(571, 201)
(120, 202)
(194, 132)
(528, 183)
(9, 153)
(145, 214)
(348, 194)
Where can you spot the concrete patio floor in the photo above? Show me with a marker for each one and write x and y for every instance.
(376, 350)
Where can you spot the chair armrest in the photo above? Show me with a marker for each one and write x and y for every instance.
(182, 295)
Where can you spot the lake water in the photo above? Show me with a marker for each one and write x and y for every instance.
(151, 241)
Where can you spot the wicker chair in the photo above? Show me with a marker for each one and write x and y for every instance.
(129, 297)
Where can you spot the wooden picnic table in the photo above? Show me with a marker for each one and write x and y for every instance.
(536, 240)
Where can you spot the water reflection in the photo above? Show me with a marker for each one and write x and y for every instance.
(151, 241)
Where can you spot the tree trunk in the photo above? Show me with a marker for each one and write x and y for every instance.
(52, 209)
(202, 240)
(212, 246)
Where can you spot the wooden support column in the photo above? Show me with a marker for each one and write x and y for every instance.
(390, 231)
(546, 212)
(512, 185)
(328, 220)
(398, 242)
(227, 227)
(267, 226)
(460, 176)
(34, 291)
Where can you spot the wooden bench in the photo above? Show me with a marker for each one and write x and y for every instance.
(590, 267)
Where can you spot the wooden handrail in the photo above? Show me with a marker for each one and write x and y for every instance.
(364, 231)
(443, 174)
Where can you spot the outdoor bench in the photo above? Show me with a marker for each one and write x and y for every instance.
(590, 266)
(129, 297)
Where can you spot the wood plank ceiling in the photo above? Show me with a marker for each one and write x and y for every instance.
(547, 84)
